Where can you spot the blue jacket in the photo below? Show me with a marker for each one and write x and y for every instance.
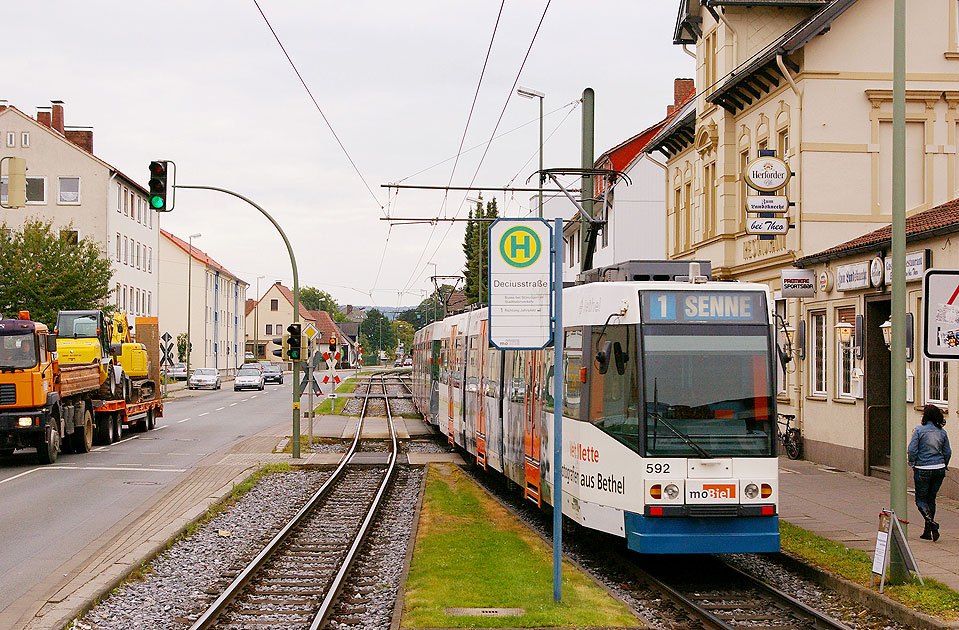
(929, 446)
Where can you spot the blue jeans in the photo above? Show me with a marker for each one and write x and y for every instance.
(927, 483)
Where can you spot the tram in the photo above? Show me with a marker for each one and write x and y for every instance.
(669, 407)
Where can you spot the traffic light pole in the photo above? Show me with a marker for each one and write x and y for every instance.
(296, 307)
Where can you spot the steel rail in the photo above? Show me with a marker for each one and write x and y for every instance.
(326, 606)
(205, 620)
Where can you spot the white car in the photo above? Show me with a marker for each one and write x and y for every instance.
(204, 377)
(248, 378)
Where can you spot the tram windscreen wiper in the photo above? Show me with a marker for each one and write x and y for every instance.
(682, 436)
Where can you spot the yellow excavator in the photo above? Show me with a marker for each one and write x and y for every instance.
(93, 337)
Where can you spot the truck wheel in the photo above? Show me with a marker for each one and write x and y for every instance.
(49, 446)
(117, 427)
(83, 433)
(151, 419)
(105, 429)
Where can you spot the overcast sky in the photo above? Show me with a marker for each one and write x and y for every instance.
(205, 84)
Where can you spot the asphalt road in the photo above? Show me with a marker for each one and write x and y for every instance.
(48, 513)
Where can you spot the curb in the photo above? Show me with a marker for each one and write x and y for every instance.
(873, 600)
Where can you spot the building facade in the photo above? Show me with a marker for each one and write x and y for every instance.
(272, 313)
(85, 197)
(216, 299)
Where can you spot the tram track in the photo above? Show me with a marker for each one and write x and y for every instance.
(294, 581)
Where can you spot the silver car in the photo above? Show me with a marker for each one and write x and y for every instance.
(248, 378)
(204, 377)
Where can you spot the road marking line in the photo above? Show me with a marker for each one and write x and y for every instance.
(180, 421)
(115, 468)
(99, 448)
(20, 475)
(205, 413)
(253, 396)
(233, 404)
(161, 427)
(126, 440)
(219, 409)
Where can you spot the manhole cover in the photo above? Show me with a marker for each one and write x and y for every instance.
(142, 483)
(485, 612)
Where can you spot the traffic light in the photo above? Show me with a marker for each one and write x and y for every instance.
(159, 186)
(281, 352)
(293, 341)
(332, 344)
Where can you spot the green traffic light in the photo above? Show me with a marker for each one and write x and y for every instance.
(294, 355)
(156, 201)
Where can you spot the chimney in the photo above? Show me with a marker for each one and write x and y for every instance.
(44, 116)
(682, 88)
(3, 104)
(80, 136)
(57, 122)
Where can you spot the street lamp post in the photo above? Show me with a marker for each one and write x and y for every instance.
(256, 321)
(189, 302)
(528, 93)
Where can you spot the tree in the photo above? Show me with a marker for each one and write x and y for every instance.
(379, 332)
(181, 341)
(429, 310)
(404, 335)
(314, 299)
(43, 271)
(476, 250)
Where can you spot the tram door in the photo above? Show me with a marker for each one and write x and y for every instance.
(452, 377)
(481, 351)
(532, 421)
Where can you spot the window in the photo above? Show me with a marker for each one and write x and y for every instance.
(782, 147)
(25, 139)
(11, 139)
(132, 206)
(817, 358)
(126, 251)
(137, 301)
(136, 254)
(274, 305)
(937, 383)
(118, 247)
(687, 197)
(743, 190)
(132, 294)
(119, 198)
(70, 236)
(116, 295)
(572, 362)
(150, 215)
(614, 396)
(124, 297)
(150, 261)
(269, 329)
(278, 329)
(709, 62)
(709, 200)
(36, 190)
(677, 204)
(69, 190)
(845, 357)
(149, 303)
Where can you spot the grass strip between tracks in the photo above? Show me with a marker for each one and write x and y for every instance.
(471, 553)
(855, 565)
(347, 386)
(327, 408)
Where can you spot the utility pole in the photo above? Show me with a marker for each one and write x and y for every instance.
(586, 162)
(897, 386)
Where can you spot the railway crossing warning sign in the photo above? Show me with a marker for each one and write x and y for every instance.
(520, 284)
(940, 314)
(166, 349)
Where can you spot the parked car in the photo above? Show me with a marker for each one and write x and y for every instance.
(204, 377)
(408, 361)
(176, 371)
(248, 378)
(273, 374)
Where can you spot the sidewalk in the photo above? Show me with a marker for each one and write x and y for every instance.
(844, 507)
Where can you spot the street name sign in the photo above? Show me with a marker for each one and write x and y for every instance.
(940, 314)
(776, 204)
(767, 225)
(520, 275)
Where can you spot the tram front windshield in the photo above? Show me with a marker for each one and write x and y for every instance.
(708, 391)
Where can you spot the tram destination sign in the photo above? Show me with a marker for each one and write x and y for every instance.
(520, 284)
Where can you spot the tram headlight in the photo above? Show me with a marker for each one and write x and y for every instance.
(751, 491)
(671, 490)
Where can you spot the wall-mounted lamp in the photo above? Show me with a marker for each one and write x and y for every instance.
(785, 352)
(844, 331)
(886, 329)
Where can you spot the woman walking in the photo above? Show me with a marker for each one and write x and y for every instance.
(929, 455)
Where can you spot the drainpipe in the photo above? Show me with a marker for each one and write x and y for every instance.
(686, 50)
(798, 214)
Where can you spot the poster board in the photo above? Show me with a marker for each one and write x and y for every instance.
(890, 533)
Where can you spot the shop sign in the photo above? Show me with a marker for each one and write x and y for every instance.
(915, 266)
(876, 271)
(767, 174)
(798, 283)
(853, 276)
(763, 225)
(825, 282)
(776, 204)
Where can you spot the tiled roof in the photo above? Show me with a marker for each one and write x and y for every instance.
(329, 328)
(250, 305)
(199, 255)
(304, 313)
(681, 124)
(943, 219)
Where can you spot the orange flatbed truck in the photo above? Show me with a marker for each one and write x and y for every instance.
(56, 408)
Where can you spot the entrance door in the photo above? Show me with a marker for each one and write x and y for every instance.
(481, 394)
(532, 433)
(876, 395)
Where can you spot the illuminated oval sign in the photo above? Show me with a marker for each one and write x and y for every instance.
(767, 174)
